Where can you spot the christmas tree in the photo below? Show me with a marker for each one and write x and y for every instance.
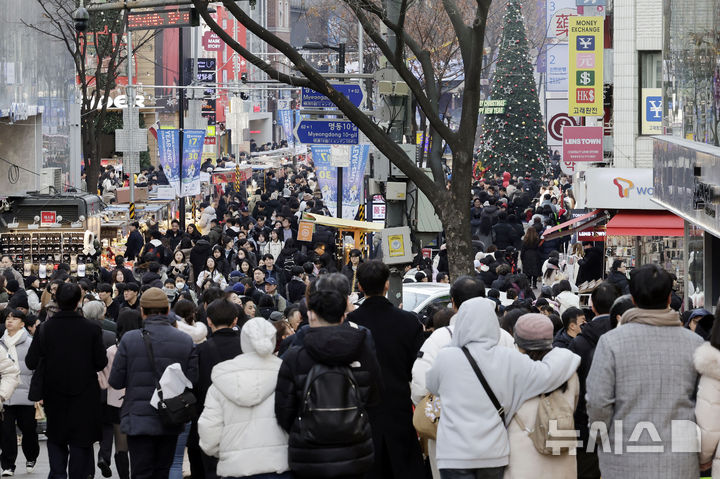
(514, 140)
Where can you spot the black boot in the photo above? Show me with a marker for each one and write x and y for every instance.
(122, 464)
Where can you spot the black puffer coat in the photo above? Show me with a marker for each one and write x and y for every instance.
(584, 346)
(199, 255)
(332, 345)
(504, 235)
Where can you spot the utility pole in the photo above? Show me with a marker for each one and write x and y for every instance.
(181, 124)
(340, 69)
(131, 110)
(395, 210)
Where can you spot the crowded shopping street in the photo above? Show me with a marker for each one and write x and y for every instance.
(344, 239)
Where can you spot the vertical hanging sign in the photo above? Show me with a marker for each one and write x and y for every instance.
(193, 141)
(586, 66)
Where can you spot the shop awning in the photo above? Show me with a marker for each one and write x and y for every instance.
(343, 224)
(645, 223)
(574, 225)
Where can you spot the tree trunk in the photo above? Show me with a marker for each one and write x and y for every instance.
(91, 157)
(92, 172)
(457, 238)
(455, 216)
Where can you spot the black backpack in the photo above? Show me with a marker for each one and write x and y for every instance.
(332, 413)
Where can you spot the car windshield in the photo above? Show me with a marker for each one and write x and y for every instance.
(412, 299)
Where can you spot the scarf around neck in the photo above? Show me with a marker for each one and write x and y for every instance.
(652, 317)
(11, 341)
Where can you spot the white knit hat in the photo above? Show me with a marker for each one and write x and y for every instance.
(258, 336)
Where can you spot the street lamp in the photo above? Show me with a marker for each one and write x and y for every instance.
(339, 48)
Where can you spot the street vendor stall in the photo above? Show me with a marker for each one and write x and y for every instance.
(41, 231)
(114, 228)
(357, 229)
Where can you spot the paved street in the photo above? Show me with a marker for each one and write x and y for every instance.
(43, 468)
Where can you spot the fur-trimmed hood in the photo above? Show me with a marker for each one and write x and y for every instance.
(707, 361)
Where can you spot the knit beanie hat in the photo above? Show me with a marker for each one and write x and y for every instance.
(154, 298)
(13, 285)
(258, 336)
(534, 332)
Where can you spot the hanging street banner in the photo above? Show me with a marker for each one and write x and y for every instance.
(285, 120)
(169, 146)
(327, 132)
(352, 178)
(652, 111)
(312, 99)
(169, 154)
(193, 141)
(586, 66)
(353, 185)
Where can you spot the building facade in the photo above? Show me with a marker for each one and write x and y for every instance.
(687, 156)
(37, 101)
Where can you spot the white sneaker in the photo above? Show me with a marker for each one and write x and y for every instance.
(30, 466)
(7, 473)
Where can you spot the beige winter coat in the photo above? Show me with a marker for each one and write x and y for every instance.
(525, 461)
(707, 407)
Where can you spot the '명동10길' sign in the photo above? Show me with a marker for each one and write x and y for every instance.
(586, 66)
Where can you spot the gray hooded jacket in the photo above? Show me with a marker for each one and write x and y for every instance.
(470, 433)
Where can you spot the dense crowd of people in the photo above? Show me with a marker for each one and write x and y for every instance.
(258, 355)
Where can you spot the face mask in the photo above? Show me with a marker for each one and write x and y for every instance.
(179, 285)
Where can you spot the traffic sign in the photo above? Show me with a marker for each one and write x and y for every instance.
(327, 132)
(312, 99)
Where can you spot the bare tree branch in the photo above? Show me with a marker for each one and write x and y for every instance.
(461, 30)
(407, 76)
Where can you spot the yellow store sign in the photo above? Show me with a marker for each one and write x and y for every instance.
(586, 66)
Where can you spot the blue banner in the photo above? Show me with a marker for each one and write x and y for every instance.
(168, 154)
(353, 192)
(326, 176)
(193, 141)
(353, 184)
(285, 119)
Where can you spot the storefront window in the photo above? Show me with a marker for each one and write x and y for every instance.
(38, 74)
(694, 278)
(692, 70)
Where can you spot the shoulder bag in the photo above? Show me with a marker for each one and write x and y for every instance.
(174, 411)
(427, 413)
(500, 409)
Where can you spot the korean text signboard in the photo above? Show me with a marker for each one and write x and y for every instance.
(586, 66)
(48, 218)
(312, 99)
(327, 132)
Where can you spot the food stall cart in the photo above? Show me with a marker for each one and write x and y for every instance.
(357, 231)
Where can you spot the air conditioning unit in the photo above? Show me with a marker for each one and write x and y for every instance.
(51, 180)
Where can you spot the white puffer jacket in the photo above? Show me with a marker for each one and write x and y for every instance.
(238, 424)
(197, 331)
(9, 376)
(707, 407)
